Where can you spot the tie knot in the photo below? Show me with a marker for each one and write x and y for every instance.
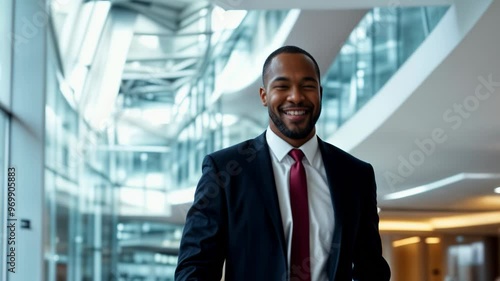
(296, 154)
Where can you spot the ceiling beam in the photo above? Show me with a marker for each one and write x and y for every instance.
(182, 81)
(149, 89)
(176, 34)
(134, 148)
(158, 57)
(169, 22)
(184, 64)
(193, 8)
(157, 74)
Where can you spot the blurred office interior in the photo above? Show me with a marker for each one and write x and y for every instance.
(107, 109)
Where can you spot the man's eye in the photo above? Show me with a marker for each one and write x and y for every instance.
(281, 86)
(310, 86)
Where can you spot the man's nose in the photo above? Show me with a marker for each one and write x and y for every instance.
(295, 95)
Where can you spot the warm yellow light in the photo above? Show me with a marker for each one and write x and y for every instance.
(406, 241)
(491, 202)
(388, 225)
(485, 218)
(432, 240)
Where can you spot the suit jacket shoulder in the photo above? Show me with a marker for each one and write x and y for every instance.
(243, 152)
(335, 154)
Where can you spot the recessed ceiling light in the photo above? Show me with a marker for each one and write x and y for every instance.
(406, 241)
(432, 240)
(497, 190)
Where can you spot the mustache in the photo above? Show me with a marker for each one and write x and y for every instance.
(294, 106)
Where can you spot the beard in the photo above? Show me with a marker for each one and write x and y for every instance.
(293, 134)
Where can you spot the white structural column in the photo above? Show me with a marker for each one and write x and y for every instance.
(27, 136)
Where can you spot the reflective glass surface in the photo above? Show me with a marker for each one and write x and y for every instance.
(109, 188)
(79, 201)
(375, 50)
(6, 52)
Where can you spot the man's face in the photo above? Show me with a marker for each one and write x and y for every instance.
(292, 94)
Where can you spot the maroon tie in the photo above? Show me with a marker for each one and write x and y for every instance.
(300, 268)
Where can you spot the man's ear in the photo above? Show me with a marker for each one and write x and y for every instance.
(263, 96)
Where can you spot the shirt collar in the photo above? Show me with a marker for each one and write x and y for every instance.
(280, 147)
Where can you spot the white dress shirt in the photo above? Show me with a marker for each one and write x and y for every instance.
(321, 217)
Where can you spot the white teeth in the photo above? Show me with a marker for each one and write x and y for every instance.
(296, 112)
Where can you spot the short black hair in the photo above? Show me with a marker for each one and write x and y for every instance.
(288, 50)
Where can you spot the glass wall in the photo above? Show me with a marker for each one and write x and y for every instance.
(109, 187)
(79, 205)
(375, 50)
(209, 130)
(157, 177)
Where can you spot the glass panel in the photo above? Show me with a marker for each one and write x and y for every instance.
(99, 183)
(80, 205)
(376, 48)
(6, 12)
(385, 42)
(187, 109)
(466, 262)
(434, 15)
(412, 31)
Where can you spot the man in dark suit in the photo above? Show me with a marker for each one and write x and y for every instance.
(285, 205)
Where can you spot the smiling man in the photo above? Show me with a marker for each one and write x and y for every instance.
(285, 205)
(292, 93)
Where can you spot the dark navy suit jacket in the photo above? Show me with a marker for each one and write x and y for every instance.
(236, 218)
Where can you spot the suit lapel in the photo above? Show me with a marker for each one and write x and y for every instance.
(335, 174)
(265, 182)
